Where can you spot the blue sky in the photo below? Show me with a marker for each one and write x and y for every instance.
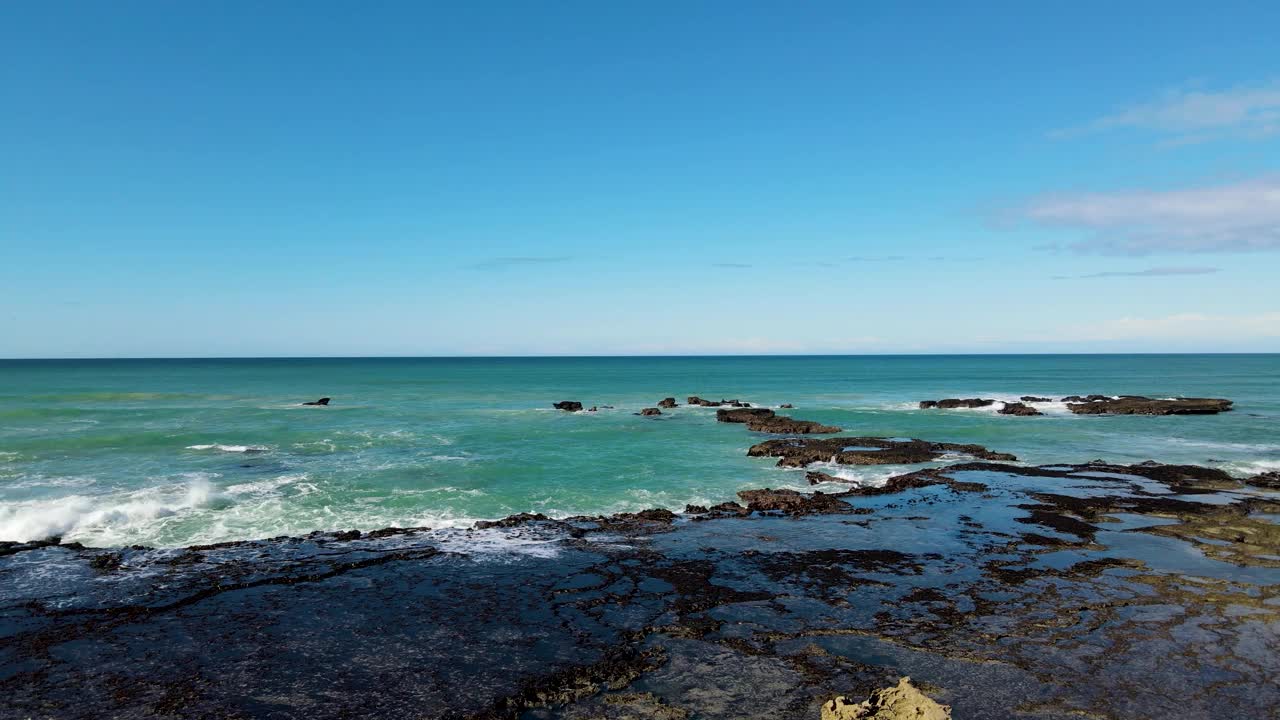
(242, 179)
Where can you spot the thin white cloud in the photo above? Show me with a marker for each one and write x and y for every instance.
(1149, 272)
(1234, 218)
(1196, 115)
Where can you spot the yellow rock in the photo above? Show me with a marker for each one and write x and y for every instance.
(902, 702)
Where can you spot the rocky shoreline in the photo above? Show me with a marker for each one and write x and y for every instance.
(1066, 590)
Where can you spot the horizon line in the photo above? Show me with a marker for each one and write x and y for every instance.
(617, 356)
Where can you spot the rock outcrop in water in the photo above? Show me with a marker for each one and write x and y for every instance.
(568, 405)
(783, 425)
(904, 701)
(1033, 398)
(1268, 480)
(766, 421)
(667, 403)
(1018, 408)
(321, 401)
(695, 400)
(799, 452)
(791, 502)
(650, 412)
(1138, 405)
(742, 415)
(953, 403)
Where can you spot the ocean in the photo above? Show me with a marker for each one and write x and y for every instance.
(170, 453)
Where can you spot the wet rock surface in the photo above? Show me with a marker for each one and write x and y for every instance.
(783, 425)
(1136, 405)
(1018, 408)
(742, 415)
(953, 403)
(799, 452)
(568, 405)
(1064, 591)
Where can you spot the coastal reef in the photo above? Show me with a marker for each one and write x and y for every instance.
(1092, 405)
(1095, 590)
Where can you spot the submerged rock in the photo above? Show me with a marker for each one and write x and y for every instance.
(650, 412)
(1018, 409)
(786, 406)
(799, 452)
(1137, 405)
(901, 702)
(321, 401)
(952, 403)
(568, 405)
(1033, 398)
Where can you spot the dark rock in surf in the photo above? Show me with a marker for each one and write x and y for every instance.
(953, 403)
(1137, 405)
(1018, 409)
(786, 406)
(814, 477)
(1268, 480)
(792, 502)
(741, 415)
(649, 412)
(568, 405)
(783, 425)
(321, 401)
(799, 452)
(1033, 398)
(1086, 398)
(667, 403)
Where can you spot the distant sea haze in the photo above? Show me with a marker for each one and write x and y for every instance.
(177, 452)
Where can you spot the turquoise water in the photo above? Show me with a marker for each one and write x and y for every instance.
(176, 452)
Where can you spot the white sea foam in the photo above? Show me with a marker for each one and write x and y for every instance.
(1052, 407)
(230, 448)
(107, 518)
(1249, 468)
